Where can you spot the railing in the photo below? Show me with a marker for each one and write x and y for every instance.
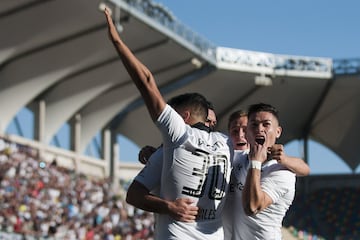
(347, 66)
(163, 16)
(272, 63)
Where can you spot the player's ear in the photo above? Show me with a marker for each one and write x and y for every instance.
(186, 116)
(278, 131)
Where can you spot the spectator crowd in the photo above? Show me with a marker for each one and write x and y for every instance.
(40, 200)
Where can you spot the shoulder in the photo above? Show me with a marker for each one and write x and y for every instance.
(167, 112)
(275, 170)
(220, 134)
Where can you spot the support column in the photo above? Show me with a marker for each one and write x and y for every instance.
(39, 109)
(115, 163)
(75, 137)
(106, 151)
(39, 122)
(110, 151)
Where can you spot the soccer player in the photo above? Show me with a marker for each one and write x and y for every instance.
(211, 119)
(147, 182)
(196, 161)
(277, 182)
(147, 151)
(233, 212)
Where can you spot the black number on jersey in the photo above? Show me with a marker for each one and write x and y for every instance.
(214, 170)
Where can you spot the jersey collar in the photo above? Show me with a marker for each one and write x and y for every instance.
(201, 126)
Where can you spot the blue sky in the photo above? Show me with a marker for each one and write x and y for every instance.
(320, 28)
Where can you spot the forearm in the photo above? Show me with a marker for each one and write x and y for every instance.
(152, 203)
(140, 74)
(297, 166)
(142, 78)
(182, 209)
(140, 197)
(253, 196)
(294, 164)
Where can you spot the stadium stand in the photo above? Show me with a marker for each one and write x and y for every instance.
(40, 200)
(326, 213)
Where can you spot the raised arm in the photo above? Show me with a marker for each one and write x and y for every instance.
(140, 74)
(181, 209)
(294, 164)
(254, 199)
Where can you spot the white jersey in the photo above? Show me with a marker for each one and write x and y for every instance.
(196, 165)
(278, 182)
(150, 177)
(231, 206)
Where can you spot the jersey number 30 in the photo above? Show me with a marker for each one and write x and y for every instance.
(212, 176)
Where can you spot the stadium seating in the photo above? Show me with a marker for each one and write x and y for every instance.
(42, 200)
(328, 213)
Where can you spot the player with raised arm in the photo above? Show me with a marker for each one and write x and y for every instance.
(196, 161)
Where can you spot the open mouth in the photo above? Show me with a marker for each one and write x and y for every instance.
(260, 140)
(241, 144)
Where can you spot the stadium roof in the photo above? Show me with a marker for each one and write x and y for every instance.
(56, 59)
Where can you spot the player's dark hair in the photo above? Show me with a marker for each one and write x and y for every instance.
(263, 107)
(211, 106)
(194, 101)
